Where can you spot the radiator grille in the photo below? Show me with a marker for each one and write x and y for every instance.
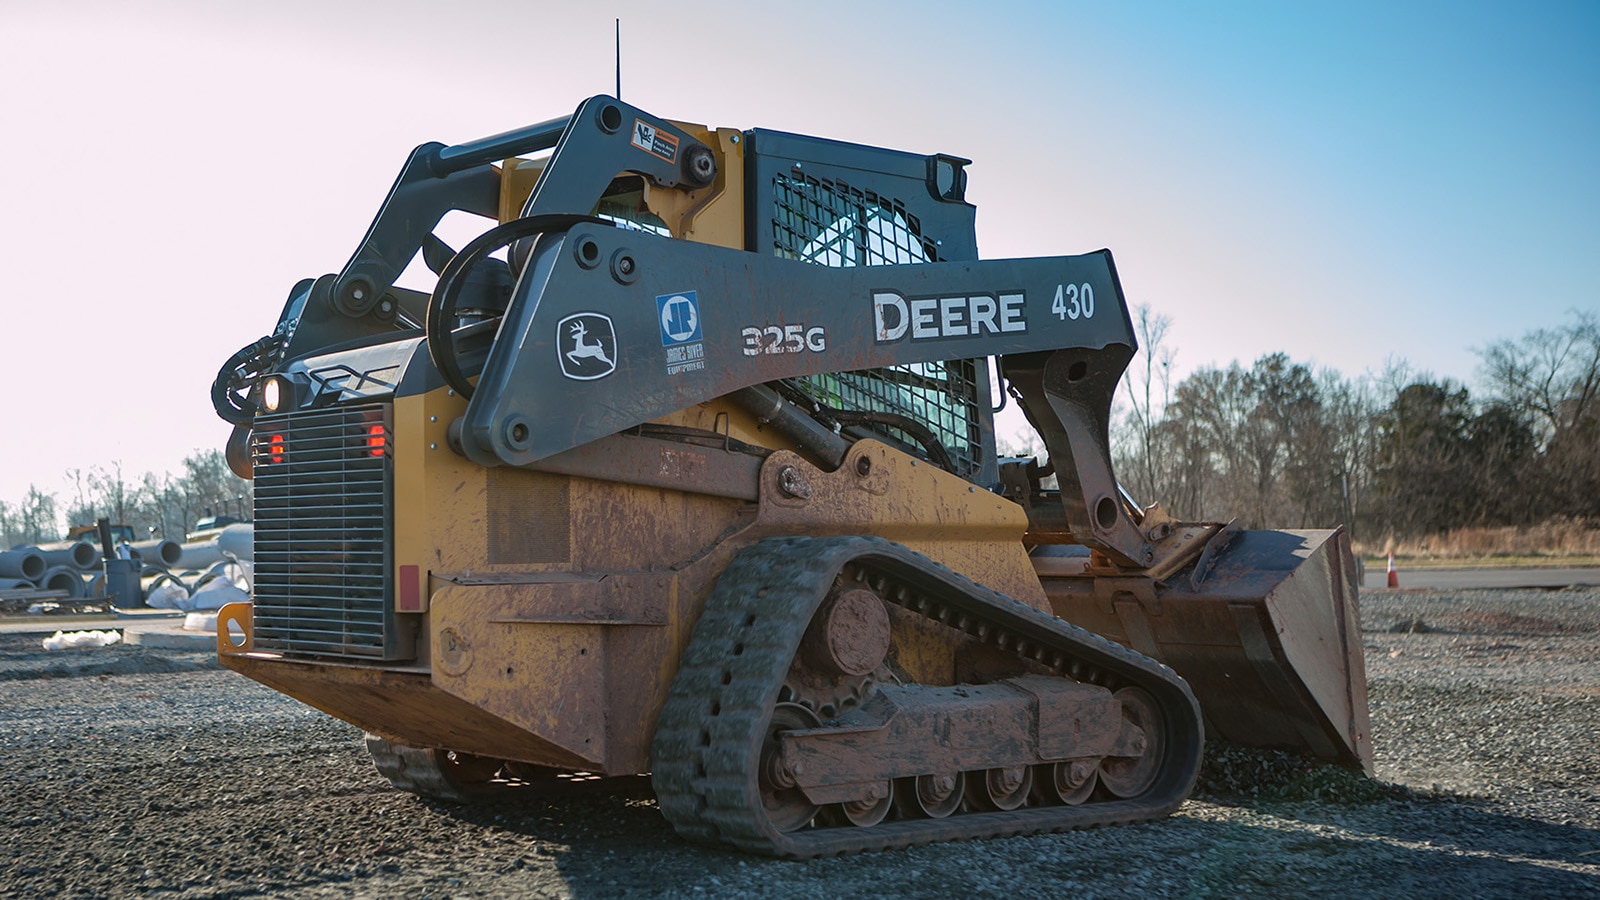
(322, 534)
(830, 223)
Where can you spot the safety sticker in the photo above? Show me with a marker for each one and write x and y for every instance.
(587, 345)
(652, 140)
(679, 317)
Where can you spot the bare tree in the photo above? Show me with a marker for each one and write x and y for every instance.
(168, 505)
(1350, 411)
(1555, 372)
(36, 518)
(210, 485)
(114, 496)
(1147, 384)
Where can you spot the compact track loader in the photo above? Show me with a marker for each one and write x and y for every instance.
(697, 478)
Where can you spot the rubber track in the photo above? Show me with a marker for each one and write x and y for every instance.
(708, 741)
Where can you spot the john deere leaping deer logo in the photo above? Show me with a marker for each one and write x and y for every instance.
(587, 346)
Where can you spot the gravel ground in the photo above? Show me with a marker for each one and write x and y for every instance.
(131, 772)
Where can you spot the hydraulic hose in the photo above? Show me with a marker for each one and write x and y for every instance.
(442, 305)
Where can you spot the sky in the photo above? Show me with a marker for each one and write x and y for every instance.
(1350, 183)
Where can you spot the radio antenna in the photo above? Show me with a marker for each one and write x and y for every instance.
(619, 59)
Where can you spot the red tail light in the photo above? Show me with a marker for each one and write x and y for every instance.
(375, 440)
(275, 448)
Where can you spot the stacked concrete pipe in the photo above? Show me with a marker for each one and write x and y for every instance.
(76, 554)
(238, 541)
(63, 578)
(158, 552)
(74, 566)
(65, 566)
(198, 555)
(25, 563)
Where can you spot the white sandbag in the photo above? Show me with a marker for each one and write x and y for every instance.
(63, 640)
(168, 594)
(215, 594)
(239, 573)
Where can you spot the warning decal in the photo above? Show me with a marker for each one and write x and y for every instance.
(651, 140)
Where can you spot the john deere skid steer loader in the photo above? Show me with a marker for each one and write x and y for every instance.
(697, 478)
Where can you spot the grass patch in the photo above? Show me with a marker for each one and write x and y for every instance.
(1561, 542)
(1504, 561)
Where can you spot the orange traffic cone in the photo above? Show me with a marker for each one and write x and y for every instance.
(1394, 577)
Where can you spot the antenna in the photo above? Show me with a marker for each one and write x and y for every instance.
(619, 59)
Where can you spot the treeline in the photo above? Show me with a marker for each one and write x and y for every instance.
(1398, 454)
(165, 506)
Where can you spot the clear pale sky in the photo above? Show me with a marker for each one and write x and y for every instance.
(1346, 182)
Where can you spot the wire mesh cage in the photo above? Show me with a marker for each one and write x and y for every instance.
(830, 223)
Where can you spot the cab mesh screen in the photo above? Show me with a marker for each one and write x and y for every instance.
(830, 223)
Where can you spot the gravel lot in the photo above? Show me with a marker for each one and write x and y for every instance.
(131, 772)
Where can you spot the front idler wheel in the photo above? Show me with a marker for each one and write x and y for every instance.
(1130, 776)
(786, 806)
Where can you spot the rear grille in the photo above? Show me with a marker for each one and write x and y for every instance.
(322, 534)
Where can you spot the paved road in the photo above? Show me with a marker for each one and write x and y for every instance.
(1448, 579)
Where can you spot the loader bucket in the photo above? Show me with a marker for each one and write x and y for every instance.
(1269, 639)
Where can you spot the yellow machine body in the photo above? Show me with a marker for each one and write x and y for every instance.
(580, 607)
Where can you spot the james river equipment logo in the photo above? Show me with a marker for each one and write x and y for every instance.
(679, 317)
(587, 345)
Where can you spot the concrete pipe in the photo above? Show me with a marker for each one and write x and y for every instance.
(77, 554)
(149, 582)
(158, 553)
(16, 584)
(94, 584)
(238, 541)
(198, 555)
(63, 578)
(25, 563)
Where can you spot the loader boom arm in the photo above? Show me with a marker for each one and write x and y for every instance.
(608, 329)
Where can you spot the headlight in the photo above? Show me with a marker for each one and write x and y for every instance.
(272, 393)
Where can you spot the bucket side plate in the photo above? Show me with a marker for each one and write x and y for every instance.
(1270, 640)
